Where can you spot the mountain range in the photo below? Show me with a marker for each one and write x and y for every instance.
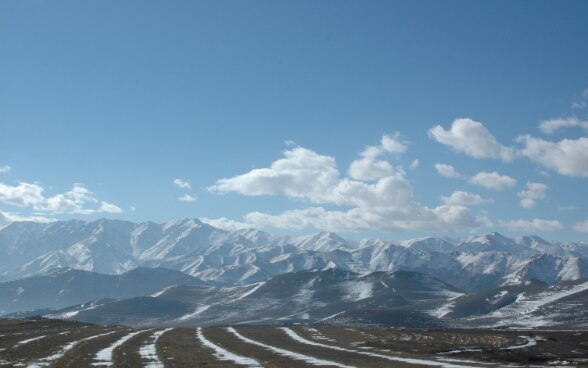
(248, 256)
(188, 272)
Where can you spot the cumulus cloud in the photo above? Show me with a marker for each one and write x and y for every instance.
(183, 184)
(187, 198)
(5, 169)
(379, 197)
(442, 218)
(582, 226)
(567, 157)
(74, 201)
(224, 223)
(552, 125)
(473, 139)
(447, 171)
(533, 193)
(493, 180)
(393, 144)
(371, 167)
(532, 225)
(302, 173)
(460, 198)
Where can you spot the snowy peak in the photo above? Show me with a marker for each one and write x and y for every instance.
(324, 241)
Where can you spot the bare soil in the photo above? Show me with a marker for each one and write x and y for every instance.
(365, 347)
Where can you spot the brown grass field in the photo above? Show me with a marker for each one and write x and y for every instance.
(38, 342)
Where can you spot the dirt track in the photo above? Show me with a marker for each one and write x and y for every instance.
(52, 343)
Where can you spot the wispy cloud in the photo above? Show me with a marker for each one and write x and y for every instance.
(187, 198)
(183, 184)
(224, 223)
(532, 225)
(582, 226)
(5, 169)
(552, 125)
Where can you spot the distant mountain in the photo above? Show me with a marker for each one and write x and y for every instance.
(306, 296)
(249, 256)
(65, 287)
(334, 296)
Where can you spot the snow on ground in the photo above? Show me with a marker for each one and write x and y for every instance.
(332, 316)
(358, 290)
(531, 341)
(249, 292)
(199, 309)
(104, 356)
(524, 306)
(497, 297)
(159, 293)
(443, 310)
(287, 353)
(23, 342)
(149, 352)
(302, 340)
(317, 335)
(223, 354)
(64, 349)
(446, 308)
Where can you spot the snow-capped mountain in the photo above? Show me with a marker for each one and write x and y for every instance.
(248, 256)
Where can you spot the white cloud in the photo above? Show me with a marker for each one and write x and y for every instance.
(582, 226)
(7, 217)
(183, 184)
(5, 169)
(414, 164)
(552, 125)
(382, 199)
(533, 193)
(224, 223)
(582, 102)
(370, 167)
(447, 171)
(74, 201)
(302, 173)
(391, 143)
(187, 198)
(22, 195)
(109, 208)
(442, 218)
(460, 198)
(532, 225)
(493, 180)
(472, 138)
(567, 157)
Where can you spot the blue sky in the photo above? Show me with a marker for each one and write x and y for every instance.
(103, 105)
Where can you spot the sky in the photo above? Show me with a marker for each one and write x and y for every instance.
(394, 119)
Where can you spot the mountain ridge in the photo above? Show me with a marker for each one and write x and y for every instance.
(248, 256)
